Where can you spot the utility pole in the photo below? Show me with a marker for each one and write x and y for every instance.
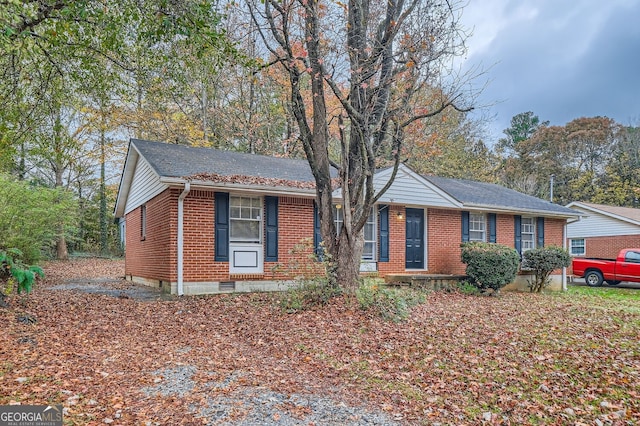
(551, 187)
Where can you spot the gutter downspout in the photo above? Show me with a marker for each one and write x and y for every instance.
(183, 195)
(564, 246)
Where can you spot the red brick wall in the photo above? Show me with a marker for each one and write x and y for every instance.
(553, 232)
(397, 252)
(198, 243)
(154, 256)
(609, 247)
(295, 240)
(444, 235)
(505, 230)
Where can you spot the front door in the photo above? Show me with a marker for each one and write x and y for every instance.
(415, 239)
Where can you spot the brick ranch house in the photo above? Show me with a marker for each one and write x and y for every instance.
(602, 230)
(200, 220)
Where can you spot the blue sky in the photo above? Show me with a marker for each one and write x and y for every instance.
(561, 59)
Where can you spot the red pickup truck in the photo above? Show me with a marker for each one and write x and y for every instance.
(625, 268)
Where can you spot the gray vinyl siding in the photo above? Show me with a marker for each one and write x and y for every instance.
(598, 225)
(144, 186)
(409, 190)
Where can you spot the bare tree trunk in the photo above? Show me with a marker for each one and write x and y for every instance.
(61, 246)
(62, 252)
(348, 273)
(104, 244)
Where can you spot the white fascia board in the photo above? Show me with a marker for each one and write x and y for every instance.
(278, 190)
(126, 179)
(603, 213)
(485, 208)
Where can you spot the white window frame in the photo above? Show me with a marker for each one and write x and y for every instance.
(528, 228)
(373, 243)
(236, 202)
(338, 218)
(583, 246)
(478, 224)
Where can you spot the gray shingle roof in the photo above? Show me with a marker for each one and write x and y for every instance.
(170, 160)
(481, 194)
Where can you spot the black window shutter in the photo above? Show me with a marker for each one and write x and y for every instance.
(222, 226)
(540, 232)
(517, 220)
(465, 227)
(271, 228)
(384, 233)
(317, 237)
(492, 227)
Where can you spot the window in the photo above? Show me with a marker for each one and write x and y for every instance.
(245, 219)
(369, 252)
(528, 226)
(577, 247)
(143, 221)
(632, 256)
(477, 227)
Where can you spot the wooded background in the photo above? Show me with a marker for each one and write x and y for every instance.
(79, 78)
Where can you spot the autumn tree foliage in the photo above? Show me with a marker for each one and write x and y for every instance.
(577, 155)
(376, 58)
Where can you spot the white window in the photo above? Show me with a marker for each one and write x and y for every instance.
(245, 219)
(528, 231)
(477, 227)
(577, 247)
(369, 252)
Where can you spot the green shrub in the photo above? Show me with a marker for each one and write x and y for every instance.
(389, 303)
(542, 262)
(465, 287)
(307, 294)
(312, 286)
(31, 216)
(15, 273)
(490, 265)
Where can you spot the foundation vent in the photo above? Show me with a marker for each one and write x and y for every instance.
(227, 286)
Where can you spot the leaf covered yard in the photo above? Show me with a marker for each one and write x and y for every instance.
(458, 359)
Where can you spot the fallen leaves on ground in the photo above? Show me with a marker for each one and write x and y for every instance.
(514, 359)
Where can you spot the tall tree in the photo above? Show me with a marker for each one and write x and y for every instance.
(523, 126)
(374, 57)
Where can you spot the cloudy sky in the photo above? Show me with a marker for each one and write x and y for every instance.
(561, 59)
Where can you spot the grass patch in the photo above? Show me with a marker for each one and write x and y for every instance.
(611, 293)
(608, 298)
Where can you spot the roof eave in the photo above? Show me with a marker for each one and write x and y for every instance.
(536, 212)
(603, 212)
(125, 180)
(271, 189)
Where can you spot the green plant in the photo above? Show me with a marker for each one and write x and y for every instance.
(542, 261)
(31, 216)
(15, 273)
(391, 304)
(308, 294)
(312, 286)
(490, 265)
(465, 287)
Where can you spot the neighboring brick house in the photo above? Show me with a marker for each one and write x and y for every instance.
(602, 230)
(200, 220)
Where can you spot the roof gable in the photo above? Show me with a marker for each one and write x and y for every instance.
(626, 214)
(409, 188)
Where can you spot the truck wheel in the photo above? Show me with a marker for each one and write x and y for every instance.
(593, 278)
(612, 282)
